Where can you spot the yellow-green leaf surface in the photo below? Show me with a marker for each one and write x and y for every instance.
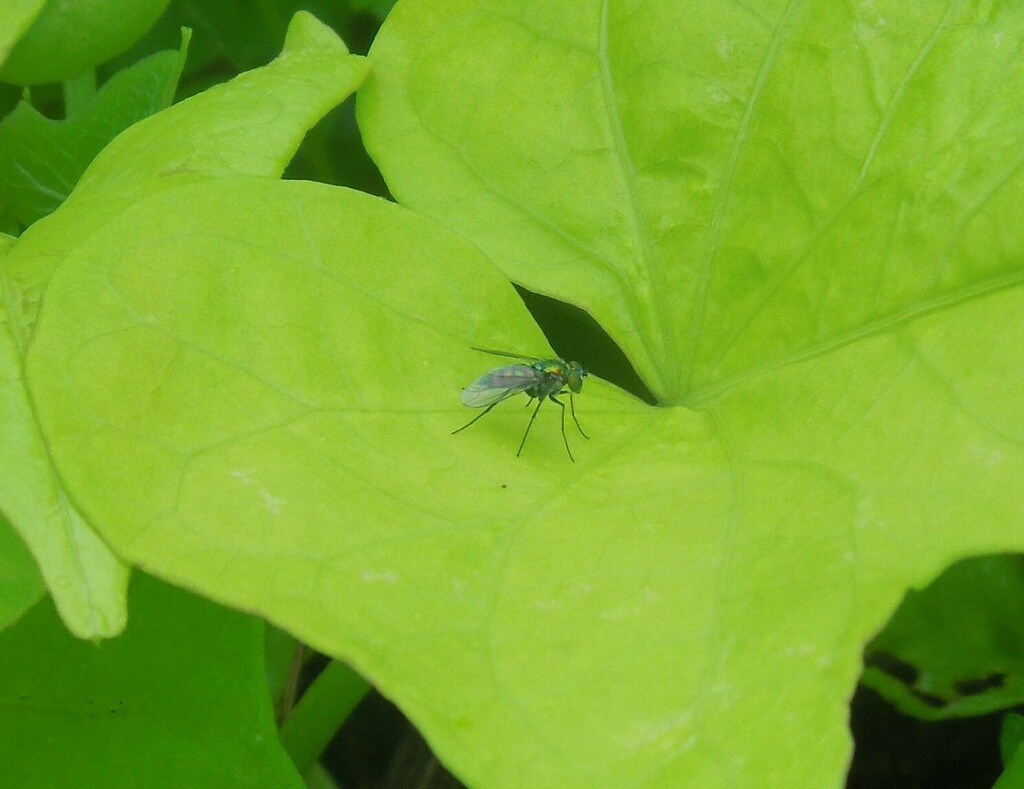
(801, 220)
(251, 125)
(797, 220)
(20, 584)
(87, 581)
(724, 188)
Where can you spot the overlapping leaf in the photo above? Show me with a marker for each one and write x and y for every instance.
(263, 114)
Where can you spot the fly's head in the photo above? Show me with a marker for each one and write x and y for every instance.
(574, 380)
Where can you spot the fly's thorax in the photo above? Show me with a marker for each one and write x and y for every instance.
(551, 367)
(552, 375)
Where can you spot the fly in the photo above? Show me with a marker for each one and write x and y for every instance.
(539, 379)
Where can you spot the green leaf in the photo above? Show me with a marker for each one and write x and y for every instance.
(1013, 755)
(1013, 776)
(178, 700)
(87, 582)
(42, 159)
(252, 125)
(801, 221)
(687, 175)
(16, 16)
(379, 7)
(800, 224)
(223, 131)
(336, 488)
(20, 584)
(1011, 735)
(68, 38)
(961, 639)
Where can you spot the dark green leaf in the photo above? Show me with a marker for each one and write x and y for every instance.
(178, 700)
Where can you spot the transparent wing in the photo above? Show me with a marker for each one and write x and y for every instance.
(498, 384)
(506, 354)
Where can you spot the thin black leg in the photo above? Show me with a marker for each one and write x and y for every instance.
(572, 408)
(565, 440)
(528, 426)
(478, 416)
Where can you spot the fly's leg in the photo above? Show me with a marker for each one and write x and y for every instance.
(572, 409)
(565, 440)
(478, 416)
(528, 426)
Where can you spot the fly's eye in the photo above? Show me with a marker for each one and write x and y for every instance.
(575, 380)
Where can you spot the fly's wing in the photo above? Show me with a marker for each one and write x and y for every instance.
(498, 384)
(506, 354)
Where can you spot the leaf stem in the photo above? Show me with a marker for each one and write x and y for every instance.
(79, 93)
(320, 712)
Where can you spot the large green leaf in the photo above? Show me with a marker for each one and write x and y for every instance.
(798, 222)
(802, 220)
(179, 699)
(255, 399)
(724, 188)
(251, 125)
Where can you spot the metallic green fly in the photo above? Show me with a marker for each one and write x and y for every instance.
(539, 379)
